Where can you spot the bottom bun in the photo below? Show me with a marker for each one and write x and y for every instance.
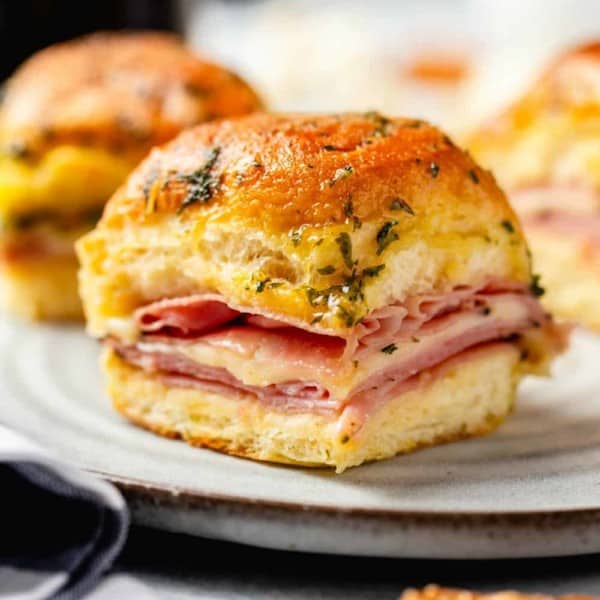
(42, 288)
(469, 399)
(570, 273)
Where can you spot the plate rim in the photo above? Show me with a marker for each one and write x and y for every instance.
(176, 495)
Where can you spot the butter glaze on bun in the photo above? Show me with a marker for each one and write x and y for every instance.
(120, 91)
(314, 290)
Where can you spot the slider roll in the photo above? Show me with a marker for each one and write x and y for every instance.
(75, 119)
(314, 290)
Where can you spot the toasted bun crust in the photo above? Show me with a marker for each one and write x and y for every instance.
(550, 135)
(469, 400)
(291, 171)
(122, 91)
(434, 592)
(277, 210)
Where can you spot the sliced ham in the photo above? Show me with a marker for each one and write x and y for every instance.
(193, 317)
(443, 328)
(181, 319)
(178, 317)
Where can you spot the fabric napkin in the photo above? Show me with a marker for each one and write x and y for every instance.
(60, 528)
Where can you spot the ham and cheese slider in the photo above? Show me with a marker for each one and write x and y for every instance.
(434, 592)
(76, 118)
(545, 151)
(316, 290)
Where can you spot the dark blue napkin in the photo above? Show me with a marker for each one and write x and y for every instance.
(60, 528)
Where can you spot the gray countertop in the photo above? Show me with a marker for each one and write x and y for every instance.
(179, 566)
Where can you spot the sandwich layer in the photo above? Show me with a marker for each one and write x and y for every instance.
(467, 399)
(205, 344)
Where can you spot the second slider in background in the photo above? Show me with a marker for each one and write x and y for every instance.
(75, 119)
(545, 149)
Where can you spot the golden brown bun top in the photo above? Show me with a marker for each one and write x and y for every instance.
(284, 172)
(550, 135)
(433, 592)
(322, 218)
(122, 91)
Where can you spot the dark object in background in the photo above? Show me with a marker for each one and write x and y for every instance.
(29, 25)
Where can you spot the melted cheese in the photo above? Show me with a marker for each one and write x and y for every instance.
(67, 180)
(260, 365)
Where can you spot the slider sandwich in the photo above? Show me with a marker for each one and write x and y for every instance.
(75, 119)
(434, 592)
(545, 151)
(314, 290)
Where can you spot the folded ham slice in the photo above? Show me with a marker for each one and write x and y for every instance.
(416, 336)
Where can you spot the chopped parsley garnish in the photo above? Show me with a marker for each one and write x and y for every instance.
(296, 237)
(535, 287)
(385, 236)
(260, 286)
(348, 208)
(399, 204)
(372, 271)
(473, 175)
(510, 228)
(328, 270)
(202, 184)
(341, 174)
(434, 169)
(346, 316)
(345, 244)
(389, 349)
(352, 287)
(349, 212)
(382, 124)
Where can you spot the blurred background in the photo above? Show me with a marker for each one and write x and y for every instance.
(450, 61)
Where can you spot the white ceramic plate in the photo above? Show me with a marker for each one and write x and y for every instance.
(530, 489)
